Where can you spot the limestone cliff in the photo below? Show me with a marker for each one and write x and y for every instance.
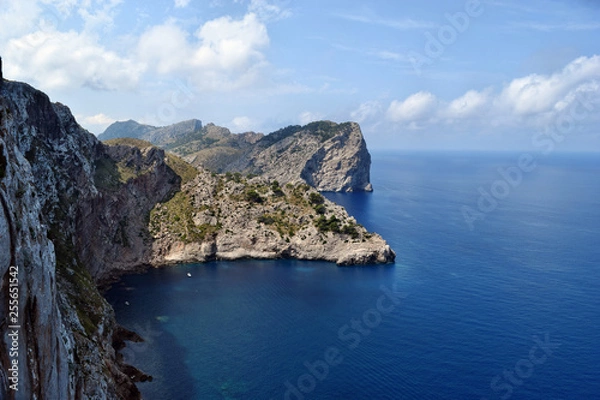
(326, 155)
(44, 343)
(77, 213)
(67, 329)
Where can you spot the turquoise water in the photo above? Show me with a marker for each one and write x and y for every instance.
(501, 307)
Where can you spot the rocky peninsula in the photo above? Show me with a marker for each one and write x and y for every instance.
(77, 213)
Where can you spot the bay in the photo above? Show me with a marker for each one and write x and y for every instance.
(472, 300)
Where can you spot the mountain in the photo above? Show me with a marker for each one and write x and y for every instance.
(128, 128)
(76, 214)
(324, 154)
(158, 135)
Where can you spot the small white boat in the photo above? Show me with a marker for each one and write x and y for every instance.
(189, 275)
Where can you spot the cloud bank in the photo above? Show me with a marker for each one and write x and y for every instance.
(221, 54)
(532, 100)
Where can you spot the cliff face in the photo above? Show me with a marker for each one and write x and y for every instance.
(47, 184)
(76, 213)
(113, 233)
(326, 155)
(44, 342)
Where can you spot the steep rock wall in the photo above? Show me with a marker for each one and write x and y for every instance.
(67, 328)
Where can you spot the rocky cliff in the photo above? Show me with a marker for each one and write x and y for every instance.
(231, 217)
(67, 329)
(326, 155)
(76, 213)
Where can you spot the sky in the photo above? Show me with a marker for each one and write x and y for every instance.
(416, 75)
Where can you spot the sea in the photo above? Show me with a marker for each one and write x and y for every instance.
(495, 294)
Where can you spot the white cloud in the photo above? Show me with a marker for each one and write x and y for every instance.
(390, 55)
(564, 26)
(96, 123)
(98, 119)
(400, 24)
(224, 54)
(55, 59)
(165, 48)
(39, 47)
(17, 18)
(268, 11)
(98, 15)
(366, 111)
(181, 3)
(534, 93)
(416, 107)
(532, 100)
(467, 105)
(307, 117)
(242, 124)
(231, 44)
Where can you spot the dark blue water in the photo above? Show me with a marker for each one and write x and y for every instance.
(504, 306)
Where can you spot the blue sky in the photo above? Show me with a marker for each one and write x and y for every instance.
(429, 74)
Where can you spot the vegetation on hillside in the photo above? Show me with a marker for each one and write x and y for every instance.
(110, 174)
(182, 168)
(176, 217)
(139, 143)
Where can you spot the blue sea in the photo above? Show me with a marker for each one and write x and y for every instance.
(495, 294)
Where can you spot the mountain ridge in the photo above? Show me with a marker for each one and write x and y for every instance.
(326, 155)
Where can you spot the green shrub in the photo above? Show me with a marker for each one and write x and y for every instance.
(252, 196)
(320, 209)
(350, 229)
(277, 192)
(316, 198)
(266, 219)
(331, 224)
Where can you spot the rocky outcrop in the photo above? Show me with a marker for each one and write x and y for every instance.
(326, 155)
(231, 217)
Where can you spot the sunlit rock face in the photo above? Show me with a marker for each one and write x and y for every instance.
(324, 154)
